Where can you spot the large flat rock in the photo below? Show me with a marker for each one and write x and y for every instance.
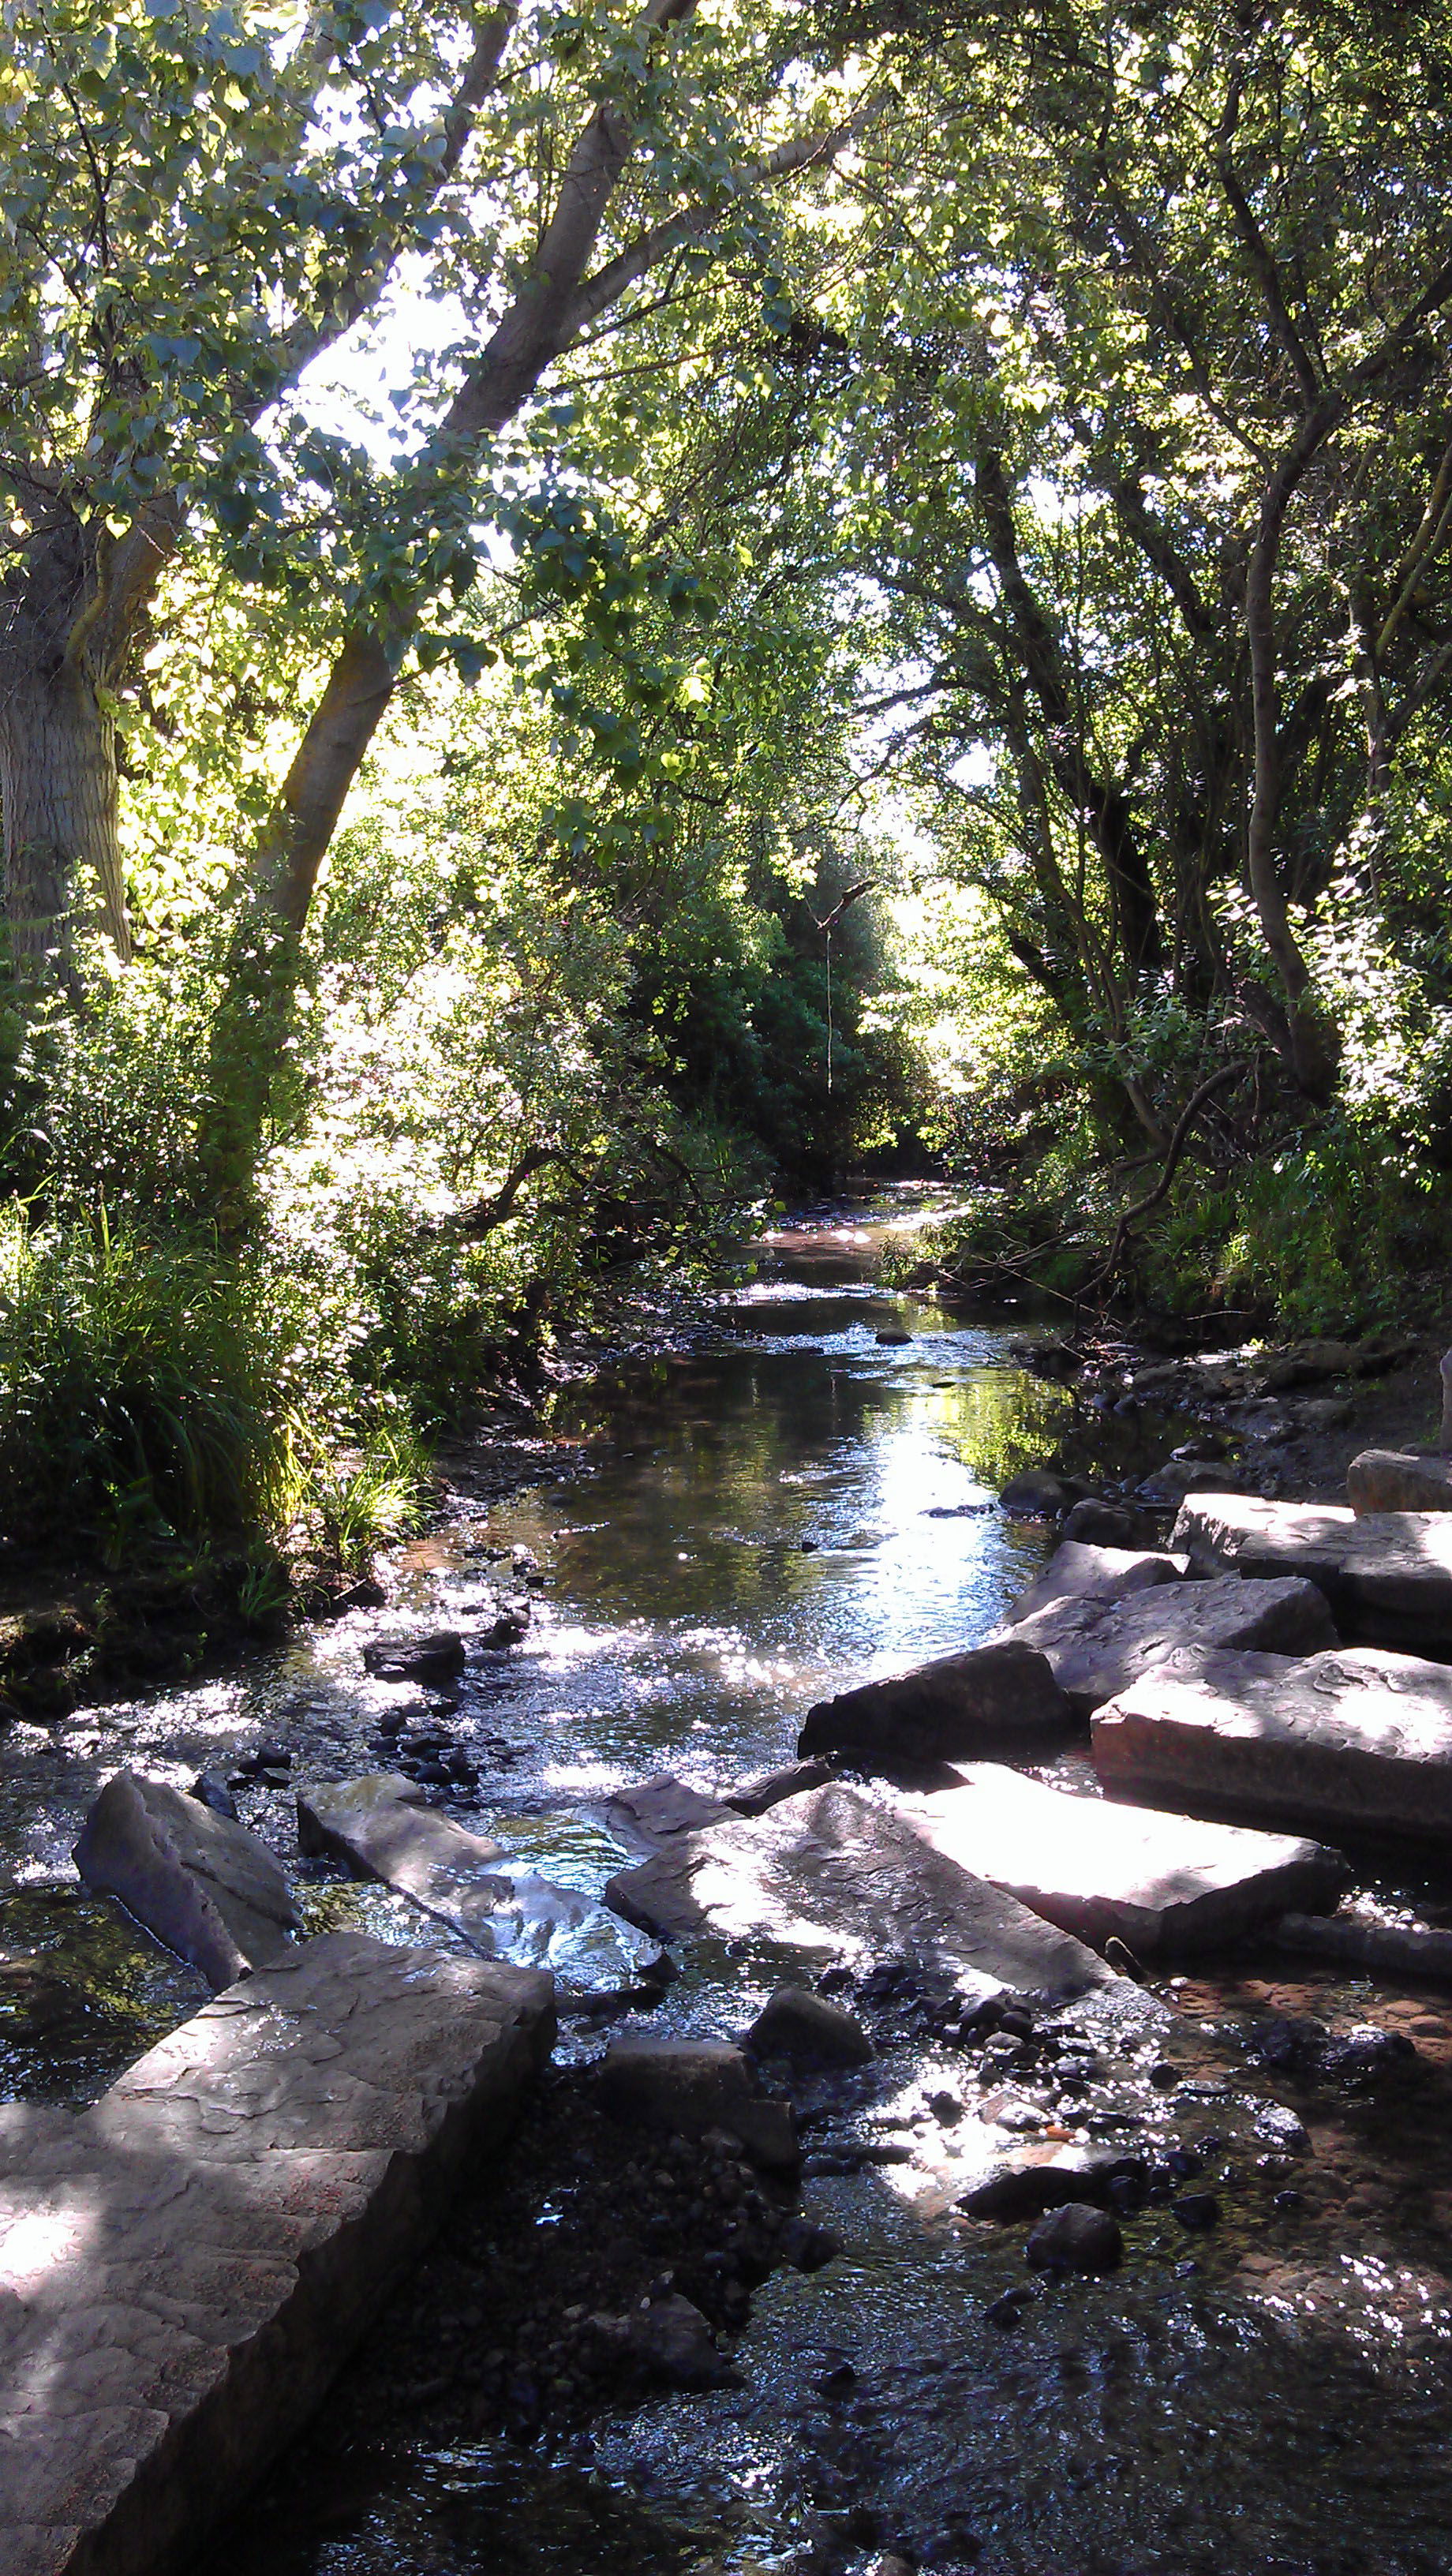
(998, 1698)
(206, 1887)
(380, 1826)
(840, 1876)
(188, 2263)
(1354, 1742)
(1099, 1647)
(1160, 1883)
(1387, 1575)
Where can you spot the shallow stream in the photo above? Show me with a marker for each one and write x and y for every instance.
(794, 1504)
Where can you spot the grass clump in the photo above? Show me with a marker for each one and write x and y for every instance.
(158, 1392)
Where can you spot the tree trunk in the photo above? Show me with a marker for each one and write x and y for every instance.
(59, 794)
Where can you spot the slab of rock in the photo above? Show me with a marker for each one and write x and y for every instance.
(1102, 1871)
(209, 1889)
(381, 1828)
(683, 2087)
(1098, 1648)
(652, 1810)
(1354, 1742)
(437, 1658)
(998, 1698)
(1398, 1480)
(1080, 1571)
(189, 2262)
(809, 2030)
(1101, 1524)
(1387, 1575)
(839, 1877)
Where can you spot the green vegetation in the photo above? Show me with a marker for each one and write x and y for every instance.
(604, 614)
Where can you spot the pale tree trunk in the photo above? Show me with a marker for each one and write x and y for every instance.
(59, 797)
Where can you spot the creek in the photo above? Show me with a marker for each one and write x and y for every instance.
(791, 1504)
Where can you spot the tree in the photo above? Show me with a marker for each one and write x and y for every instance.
(200, 203)
(1148, 427)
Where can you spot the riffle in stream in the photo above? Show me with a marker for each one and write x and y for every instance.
(790, 1506)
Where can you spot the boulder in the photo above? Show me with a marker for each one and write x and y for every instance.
(1398, 1480)
(198, 2253)
(808, 2030)
(1104, 1871)
(1080, 1570)
(1098, 1648)
(1351, 1743)
(438, 1658)
(653, 1810)
(998, 1698)
(839, 1877)
(685, 2087)
(209, 1889)
(380, 1827)
(1387, 1575)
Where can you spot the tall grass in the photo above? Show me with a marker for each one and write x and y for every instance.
(155, 1389)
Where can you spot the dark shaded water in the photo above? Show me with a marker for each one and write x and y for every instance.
(765, 1521)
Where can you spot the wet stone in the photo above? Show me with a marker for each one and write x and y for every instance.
(1078, 2238)
(809, 2030)
(206, 1887)
(435, 1658)
(835, 1873)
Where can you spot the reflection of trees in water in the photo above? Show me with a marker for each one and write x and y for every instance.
(100, 1994)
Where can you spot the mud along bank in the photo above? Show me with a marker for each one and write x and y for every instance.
(774, 1519)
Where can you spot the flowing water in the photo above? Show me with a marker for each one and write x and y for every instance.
(793, 1504)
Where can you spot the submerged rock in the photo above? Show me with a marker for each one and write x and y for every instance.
(999, 1698)
(209, 1890)
(380, 1826)
(666, 2343)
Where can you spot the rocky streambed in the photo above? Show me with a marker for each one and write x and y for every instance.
(1024, 2235)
